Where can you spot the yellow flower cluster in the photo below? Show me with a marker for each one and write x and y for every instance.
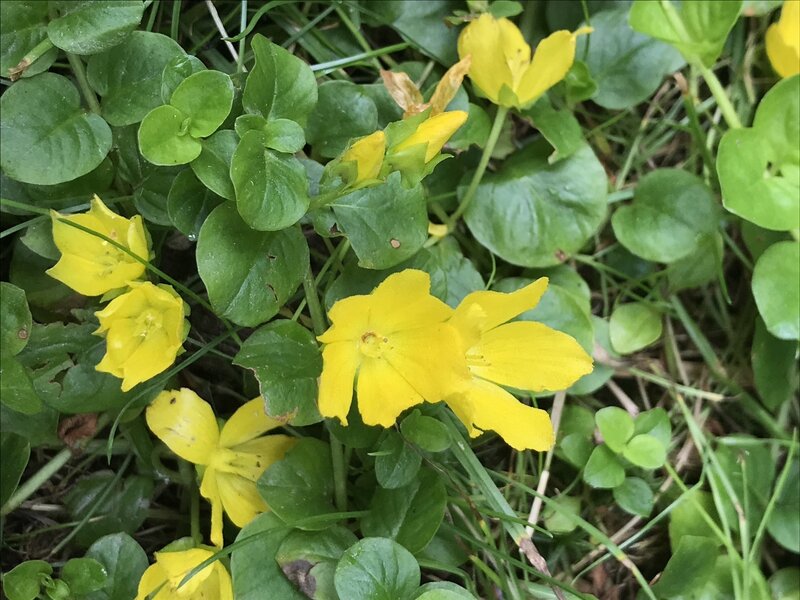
(144, 325)
(402, 346)
(783, 40)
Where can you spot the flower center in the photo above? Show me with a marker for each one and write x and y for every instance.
(149, 320)
(373, 344)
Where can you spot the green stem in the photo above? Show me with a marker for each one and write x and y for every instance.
(80, 74)
(724, 103)
(27, 489)
(31, 57)
(347, 61)
(494, 135)
(243, 41)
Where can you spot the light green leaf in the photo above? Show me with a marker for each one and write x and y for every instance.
(559, 127)
(690, 566)
(776, 287)
(645, 451)
(634, 326)
(83, 575)
(377, 569)
(175, 71)
(92, 26)
(15, 319)
(164, 137)
(206, 98)
(635, 497)
(603, 470)
(616, 427)
(774, 367)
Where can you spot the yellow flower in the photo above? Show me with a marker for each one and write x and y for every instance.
(783, 40)
(501, 60)
(521, 354)
(367, 153)
(92, 266)
(166, 574)
(234, 458)
(144, 329)
(434, 132)
(398, 343)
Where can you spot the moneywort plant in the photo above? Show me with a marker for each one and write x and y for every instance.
(400, 300)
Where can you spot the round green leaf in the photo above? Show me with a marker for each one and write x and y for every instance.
(645, 451)
(22, 26)
(671, 212)
(15, 451)
(151, 193)
(377, 569)
(283, 135)
(626, 66)
(562, 520)
(23, 582)
(532, 213)
(15, 319)
(83, 575)
(776, 287)
(386, 224)
(175, 71)
(634, 496)
(785, 583)
(690, 566)
(784, 522)
(45, 135)
(603, 470)
(164, 137)
(698, 268)
(92, 26)
(410, 515)
(271, 189)
(128, 77)
(124, 562)
(656, 423)
(189, 203)
(16, 386)
(213, 166)
(396, 463)
(426, 432)
(616, 427)
(249, 274)
(206, 98)
(634, 326)
(343, 112)
(774, 367)
(300, 486)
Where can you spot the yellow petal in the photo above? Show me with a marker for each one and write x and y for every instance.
(225, 585)
(152, 579)
(516, 50)
(249, 421)
(382, 393)
(154, 355)
(552, 60)
(434, 131)
(210, 491)
(251, 459)
(495, 308)
(339, 363)
(783, 41)
(349, 319)
(93, 278)
(185, 423)
(367, 153)
(482, 41)
(403, 91)
(491, 408)
(178, 564)
(529, 356)
(240, 499)
(448, 85)
(403, 301)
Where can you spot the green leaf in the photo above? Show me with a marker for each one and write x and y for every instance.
(206, 98)
(634, 326)
(377, 569)
(426, 432)
(15, 319)
(645, 451)
(386, 224)
(774, 367)
(128, 77)
(671, 211)
(785, 583)
(577, 449)
(92, 26)
(151, 194)
(175, 71)
(654, 422)
(616, 427)
(164, 137)
(562, 521)
(534, 214)
(686, 518)
(16, 451)
(249, 274)
(603, 470)
(474, 131)
(579, 83)
(280, 85)
(763, 162)
(559, 127)
(213, 166)
(635, 497)
(286, 360)
(46, 138)
(343, 112)
(271, 189)
(697, 29)
(124, 562)
(411, 514)
(253, 565)
(300, 487)
(189, 203)
(23, 582)
(396, 463)
(355, 434)
(784, 522)
(626, 67)
(776, 287)
(690, 566)
(698, 268)
(83, 575)
(22, 26)
(442, 590)
(283, 135)
(16, 386)
(420, 23)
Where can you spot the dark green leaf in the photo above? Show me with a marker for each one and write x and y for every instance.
(343, 112)
(92, 26)
(689, 567)
(377, 569)
(190, 202)
(774, 367)
(421, 24)
(152, 192)
(22, 26)
(698, 268)
(654, 422)
(426, 432)
(559, 127)
(83, 575)
(213, 166)
(396, 463)
(16, 386)
(123, 560)
(15, 319)
(16, 451)
(634, 496)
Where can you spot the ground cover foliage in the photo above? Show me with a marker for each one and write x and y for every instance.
(207, 207)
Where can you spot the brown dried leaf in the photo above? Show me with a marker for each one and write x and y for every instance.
(447, 88)
(404, 92)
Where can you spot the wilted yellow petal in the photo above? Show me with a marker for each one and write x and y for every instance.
(340, 361)
(404, 92)
(367, 153)
(482, 40)
(496, 308)
(249, 421)
(491, 408)
(447, 88)
(185, 423)
(552, 60)
(383, 393)
(210, 491)
(240, 499)
(434, 131)
(529, 356)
